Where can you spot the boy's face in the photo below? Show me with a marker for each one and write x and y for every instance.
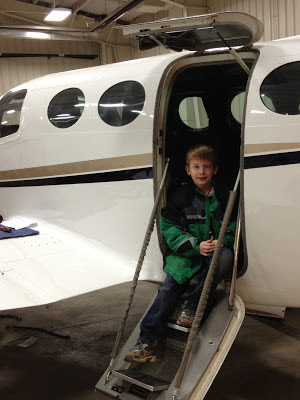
(202, 172)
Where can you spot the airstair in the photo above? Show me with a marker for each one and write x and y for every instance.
(156, 380)
(187, 362)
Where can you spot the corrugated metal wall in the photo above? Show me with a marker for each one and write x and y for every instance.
(16, 70)
(281, 18)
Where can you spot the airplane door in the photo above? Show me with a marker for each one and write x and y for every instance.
(200, 32)
(271, 177)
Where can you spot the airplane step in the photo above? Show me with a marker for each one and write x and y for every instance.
(155, 380)
(168, 356)
(139, 378)
(175, 344)
(178, 327)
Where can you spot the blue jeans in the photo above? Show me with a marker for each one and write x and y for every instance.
(154, 324)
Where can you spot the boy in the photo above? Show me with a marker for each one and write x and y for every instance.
(190, 224)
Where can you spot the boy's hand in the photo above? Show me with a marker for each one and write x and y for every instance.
(207, 247)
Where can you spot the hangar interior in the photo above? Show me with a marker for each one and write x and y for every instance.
(31, 47)
(264, 360)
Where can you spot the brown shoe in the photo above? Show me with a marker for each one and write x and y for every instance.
(141, 352)
(186, 316)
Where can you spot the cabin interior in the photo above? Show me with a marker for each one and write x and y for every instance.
(205, 106)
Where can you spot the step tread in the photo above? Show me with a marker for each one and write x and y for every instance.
(142, 379)
(178, 327)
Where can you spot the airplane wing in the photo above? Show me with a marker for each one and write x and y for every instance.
(56, 264)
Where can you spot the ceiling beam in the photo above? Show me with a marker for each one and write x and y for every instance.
(77, 7)
(22, 18)
(55, 3)
(117, 14)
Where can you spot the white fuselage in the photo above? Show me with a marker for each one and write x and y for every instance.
(91, 233)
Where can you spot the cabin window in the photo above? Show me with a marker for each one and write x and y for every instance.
(66, 108)
(192, 113)
(122, 103)
(10, 112)
(280, 90)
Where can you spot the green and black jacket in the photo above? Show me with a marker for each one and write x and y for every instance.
(189, 218)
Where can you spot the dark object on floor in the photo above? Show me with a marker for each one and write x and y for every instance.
(17, 233)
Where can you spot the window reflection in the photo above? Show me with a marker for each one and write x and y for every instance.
(280, 90)
(10, 111)
(66, 108)
(122, 103)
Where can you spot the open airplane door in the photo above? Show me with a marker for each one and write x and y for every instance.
(158, 379)
(198, 33)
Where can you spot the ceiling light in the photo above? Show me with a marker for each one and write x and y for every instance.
(37, 35)
(58, 14)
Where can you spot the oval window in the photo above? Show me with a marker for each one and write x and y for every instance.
(237, 106)
(192, 113)
(66, 108)
(280, 89)
(122, 103)
(10, 112)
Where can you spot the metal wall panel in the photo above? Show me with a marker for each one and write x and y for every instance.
(281, 18)
(40, 46)
(15, 71)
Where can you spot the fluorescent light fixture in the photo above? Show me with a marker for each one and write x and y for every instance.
(37, 35)
(58, 14)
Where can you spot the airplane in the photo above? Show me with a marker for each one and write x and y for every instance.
(83, 154)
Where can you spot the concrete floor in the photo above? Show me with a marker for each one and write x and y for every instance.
(263, 363)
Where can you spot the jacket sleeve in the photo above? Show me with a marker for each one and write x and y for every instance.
(177, 237)
(178, 240)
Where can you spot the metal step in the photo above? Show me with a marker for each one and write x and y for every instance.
(175, 344)
(178, 327)
(208, 352)
(139, 378)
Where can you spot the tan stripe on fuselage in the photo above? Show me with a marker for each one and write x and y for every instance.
(115, 163)
(80, 167)
(267, 147)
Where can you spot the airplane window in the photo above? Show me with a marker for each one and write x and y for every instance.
(10, 112)
(122, 103)
(280, 90)
(66, 108)
(237, 106)
(192, 113)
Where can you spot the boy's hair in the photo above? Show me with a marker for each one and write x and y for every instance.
(203, 152)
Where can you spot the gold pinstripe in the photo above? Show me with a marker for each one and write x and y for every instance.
(268, 147)
(80, 167)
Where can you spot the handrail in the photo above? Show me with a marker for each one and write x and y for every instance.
(235, 262)
(137, 272)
